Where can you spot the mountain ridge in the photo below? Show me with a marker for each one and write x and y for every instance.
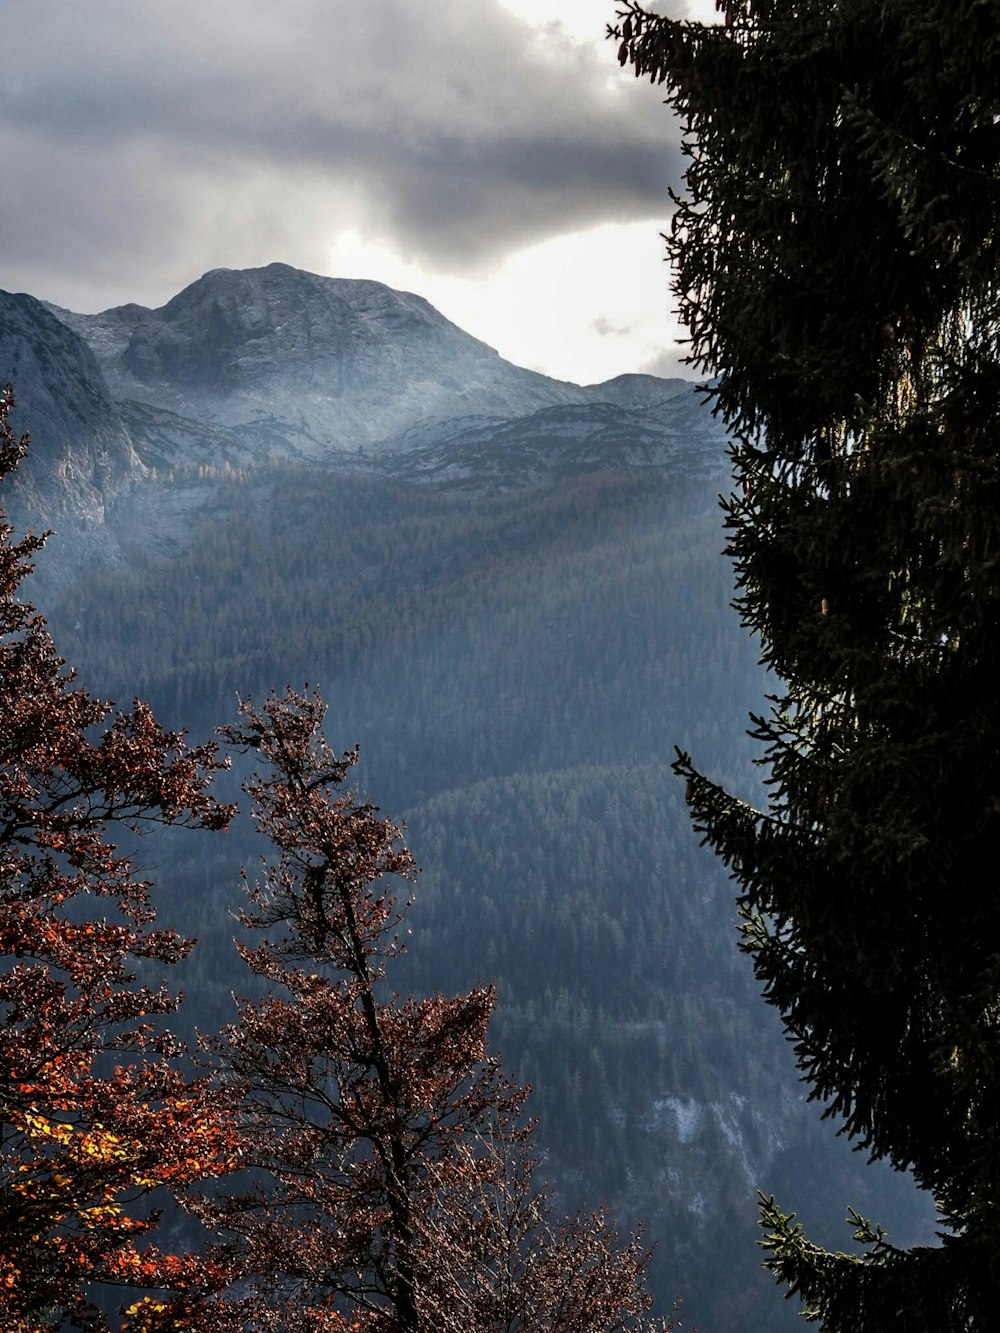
(340, 362)
(294, 364)
(243, 368)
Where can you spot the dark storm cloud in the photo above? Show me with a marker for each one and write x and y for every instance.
(143, 137)
(450, 197)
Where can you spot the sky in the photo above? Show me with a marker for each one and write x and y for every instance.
(488, 154)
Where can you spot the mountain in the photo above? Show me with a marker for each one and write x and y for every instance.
(308, 364)
(510, 592)
(243, 368)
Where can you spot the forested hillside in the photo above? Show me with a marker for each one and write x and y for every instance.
(517, 666)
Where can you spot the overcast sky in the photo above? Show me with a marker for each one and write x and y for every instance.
(488, 154)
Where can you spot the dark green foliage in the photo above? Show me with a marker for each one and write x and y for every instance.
(836, 264)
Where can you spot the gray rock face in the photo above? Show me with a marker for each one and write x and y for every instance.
(81, 457)
(326, 363)
(272, 363)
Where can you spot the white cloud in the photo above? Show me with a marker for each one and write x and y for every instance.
(583, 307)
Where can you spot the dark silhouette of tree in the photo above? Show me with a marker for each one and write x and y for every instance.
(94, 1112)
(836, 260)
(396, 1190)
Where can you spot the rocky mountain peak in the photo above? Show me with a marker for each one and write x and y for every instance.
(242, 366)
(326, 363)
(233, 331)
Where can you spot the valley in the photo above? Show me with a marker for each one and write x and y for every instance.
(510, 592)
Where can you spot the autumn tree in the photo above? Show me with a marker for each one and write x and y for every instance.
(395, 1189)
(836, 266)
(95, 1114)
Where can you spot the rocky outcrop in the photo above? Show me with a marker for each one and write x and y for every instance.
(81, 457)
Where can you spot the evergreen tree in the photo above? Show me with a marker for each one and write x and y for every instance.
(836, 266)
